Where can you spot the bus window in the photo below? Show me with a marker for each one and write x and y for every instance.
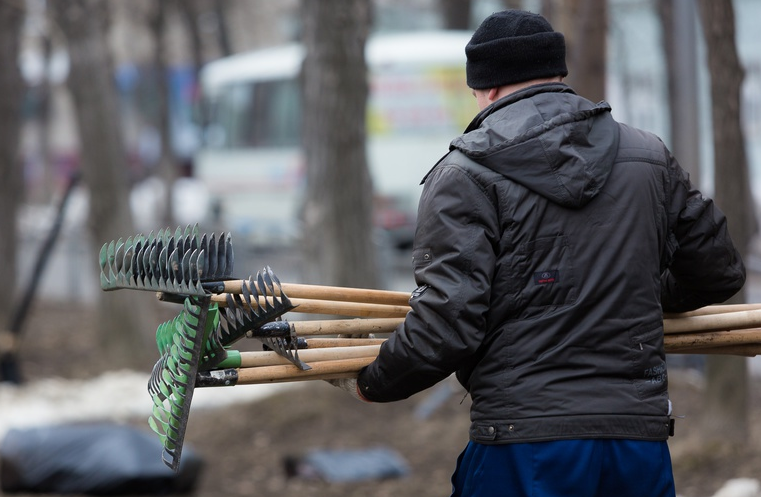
(261, 114)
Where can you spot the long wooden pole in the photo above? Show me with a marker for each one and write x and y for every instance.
(310, 356)
(746, 350)
(340, 308)
(289, 372)
(713, 322)
(713, 309)
(323, 292)
(713, 338)
(356, 326)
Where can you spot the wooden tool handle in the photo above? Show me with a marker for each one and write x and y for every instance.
(323, 292)
(355, 326)
(713, 322)
(322, 343)
(268, 358)
(356, 309)
(746, 350)
(272, 374)
(712, 309)
(713, 338)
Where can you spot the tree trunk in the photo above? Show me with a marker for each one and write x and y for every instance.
(223, 32)
(337, 238)
(456, 13)
(189, 12)
(167, 169)
(678, 18)
(513, 4)
(11, 89)
(726, 399)
(124, 316)
(585, 26)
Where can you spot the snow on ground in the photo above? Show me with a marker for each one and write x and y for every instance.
(113, 396)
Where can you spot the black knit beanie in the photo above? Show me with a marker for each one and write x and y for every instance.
(514, 46)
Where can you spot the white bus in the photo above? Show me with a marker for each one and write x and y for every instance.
(251, 162)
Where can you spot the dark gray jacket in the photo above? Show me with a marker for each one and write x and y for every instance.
(550, 241)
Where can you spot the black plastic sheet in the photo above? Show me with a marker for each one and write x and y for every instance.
(93, 459)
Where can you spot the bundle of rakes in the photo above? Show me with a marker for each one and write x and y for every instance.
(196, 271)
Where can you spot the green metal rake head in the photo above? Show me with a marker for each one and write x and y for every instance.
(181, 342)
(189, 267)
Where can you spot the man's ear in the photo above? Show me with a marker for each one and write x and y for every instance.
(493, 94)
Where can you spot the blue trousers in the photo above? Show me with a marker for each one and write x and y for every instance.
(565, 468)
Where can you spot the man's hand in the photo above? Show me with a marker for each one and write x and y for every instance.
(350, 386)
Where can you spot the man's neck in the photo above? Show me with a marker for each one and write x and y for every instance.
(506, 90)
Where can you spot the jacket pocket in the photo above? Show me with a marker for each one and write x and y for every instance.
(544, 271)
(648, 362)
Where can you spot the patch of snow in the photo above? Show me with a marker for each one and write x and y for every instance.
(740, 487)
(115, 395)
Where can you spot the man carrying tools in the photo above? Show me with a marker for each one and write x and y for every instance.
(550, 241)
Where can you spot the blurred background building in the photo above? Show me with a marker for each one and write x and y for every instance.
(204, 31)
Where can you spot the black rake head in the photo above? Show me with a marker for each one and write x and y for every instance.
(176, 263)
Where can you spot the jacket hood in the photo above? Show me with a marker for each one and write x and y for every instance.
(548, 139)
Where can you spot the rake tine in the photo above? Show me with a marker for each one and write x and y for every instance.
(211, 255)
(102, 257)
(118, 256)
(219, 252)
(229, 256)
(175, 268)
(145, 266)
(232, 312)
(105, 283)
(203, 264)
(186, 241)
(189, 266)
(154, 382)
(164, 276)
(153, 262)
(139, 265)
(183, 272)
(160, 236)
(265, 283)
(197, 270)
(250, 296)
(287, 348)
(189, 272)
(123, 277)
(136, 257)
(110, 256)
(272, 278)
(225, 254)
(194, 236)
(149, 265)
(171, 246)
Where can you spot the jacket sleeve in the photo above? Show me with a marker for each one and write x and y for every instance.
(453, 259)
(703, 266)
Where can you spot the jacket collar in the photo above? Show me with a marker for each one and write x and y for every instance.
(527, 92)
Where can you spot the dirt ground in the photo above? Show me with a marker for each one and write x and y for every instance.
(244, 447)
